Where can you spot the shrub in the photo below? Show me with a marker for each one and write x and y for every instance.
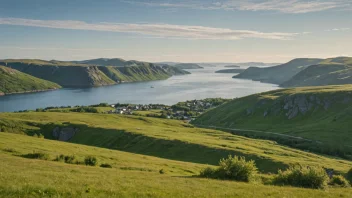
(306, 177)
(339, 180)
(105, 165)
(233, 168)
(208, 172)
(161, 171)
(42, 156)
(90, 161)
(69, 159)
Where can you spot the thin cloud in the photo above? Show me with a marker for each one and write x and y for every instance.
(160, 30)
(337, 29)
(283, 6)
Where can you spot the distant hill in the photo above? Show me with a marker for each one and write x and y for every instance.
(320, 114)
(230, 71)
(188, 66)
(278, 74)
(257, 64)
(87, 74)
(13, 81)
(232, 66)
(334, 71)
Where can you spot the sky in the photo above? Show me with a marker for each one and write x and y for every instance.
(177, 30)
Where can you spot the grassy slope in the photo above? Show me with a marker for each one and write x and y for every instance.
(69, 74)
(333, 71)
(328, 122)
(278, 74)
(132, 175)
(13, 81)
(169, 139)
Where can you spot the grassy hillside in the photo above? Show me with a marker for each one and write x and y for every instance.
(333, 71)
(320, 114)
(170, 139)
(188, 66)
(278, 74)
(69, 74)
(131, 175)
(13, 81)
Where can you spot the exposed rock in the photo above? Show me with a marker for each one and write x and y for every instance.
(249, 111)
(65, 133)
(266, 113)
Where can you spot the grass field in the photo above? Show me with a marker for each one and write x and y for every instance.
(131, 175)
(170, 139)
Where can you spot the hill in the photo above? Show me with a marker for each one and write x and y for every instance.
(70, 74)
(334, 71)
(278, 74)
(131, 175)
(230, 71)
(188, 66)
(317, 118)
(232, 66)
(13, 81)
(170, 139)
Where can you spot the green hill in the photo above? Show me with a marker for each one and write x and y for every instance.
(188, 66)
(322, 115)
(137, 148)
(278, 74)
(333, 71)
(170, 139)
(70, 74)
(131, 175)
(13, 81)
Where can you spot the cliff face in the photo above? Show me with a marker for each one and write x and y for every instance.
(73, 75)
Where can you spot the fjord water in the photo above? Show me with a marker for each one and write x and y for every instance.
(202, 83)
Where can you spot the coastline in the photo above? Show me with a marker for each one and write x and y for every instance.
(23, 92)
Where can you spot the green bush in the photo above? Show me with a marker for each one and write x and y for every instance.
(90, 161)
(69, 159)
(339, 180)
(38, 155)
(105, 165)
(233, 168)
(161, 171)
(306, 177)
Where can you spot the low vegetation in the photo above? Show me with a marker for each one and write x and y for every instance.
(306, 177)
(232, 168)
(339, 181)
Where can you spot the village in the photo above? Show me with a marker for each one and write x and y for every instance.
(187, 111)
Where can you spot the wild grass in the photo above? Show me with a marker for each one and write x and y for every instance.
(22, 177)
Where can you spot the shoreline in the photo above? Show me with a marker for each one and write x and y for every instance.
(24, 92)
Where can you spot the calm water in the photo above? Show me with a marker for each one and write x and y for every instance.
(198, 85)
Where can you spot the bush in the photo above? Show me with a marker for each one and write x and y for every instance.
(42, 156)
(66, 158)
(90, 161)
(339, 180)
(306, 177)
(105, 166)
(161, 171)
(233, 168)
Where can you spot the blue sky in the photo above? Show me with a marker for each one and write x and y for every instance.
(183, 31)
